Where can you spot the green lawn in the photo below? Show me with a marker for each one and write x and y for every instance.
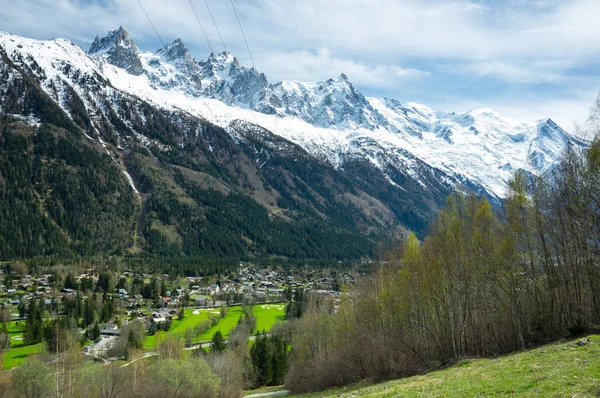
(192, 318)
(15, 329)
(225, 324)
(18, 351)
(268, 315)
(559, 370)
(17, 354)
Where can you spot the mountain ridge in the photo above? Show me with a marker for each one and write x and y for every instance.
(211, 155)
(335, 104)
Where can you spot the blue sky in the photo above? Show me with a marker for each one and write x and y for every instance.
(528, 59)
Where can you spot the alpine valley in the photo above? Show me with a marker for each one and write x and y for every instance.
(119, 151)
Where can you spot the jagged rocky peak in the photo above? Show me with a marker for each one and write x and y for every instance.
(225, 79)
(118, 49)
(117, 37)
(220, 62)
(175, 51)
(178, 55)
(329, 103)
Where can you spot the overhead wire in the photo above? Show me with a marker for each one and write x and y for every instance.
(151, 23)
(201, 26)
(216, 26)
(237, 17)
(243, 33)
(209, 46)
(163, 42)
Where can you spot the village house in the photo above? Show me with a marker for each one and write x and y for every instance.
(210, 290)
(110, 330)
(202, 301)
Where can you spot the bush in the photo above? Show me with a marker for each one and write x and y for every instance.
(181, 379)
(32, 380)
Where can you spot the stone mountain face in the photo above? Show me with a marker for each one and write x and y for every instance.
(479, 147)
(118, 49)
(118, 150)
(333, 103)
(224, 79)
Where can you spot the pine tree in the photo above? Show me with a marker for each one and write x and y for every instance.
(34, 324)
(261, 361)
(89, 313)
(279, 360)
(218, 342)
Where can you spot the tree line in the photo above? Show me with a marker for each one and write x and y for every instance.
(481, 284)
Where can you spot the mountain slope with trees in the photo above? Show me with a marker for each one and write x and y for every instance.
(477, 286)
(87, 169)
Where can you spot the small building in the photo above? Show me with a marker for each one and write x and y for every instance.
(202, 301)
(122, 293)
(157, 321)
(110, 330)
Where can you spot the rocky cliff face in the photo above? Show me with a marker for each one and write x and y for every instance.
(118, 49)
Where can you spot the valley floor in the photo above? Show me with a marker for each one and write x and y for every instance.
(565, 369)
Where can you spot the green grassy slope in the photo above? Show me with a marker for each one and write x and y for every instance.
(564, 369)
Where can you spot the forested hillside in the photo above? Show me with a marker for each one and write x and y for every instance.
(168, 184)
(142, 165)
(477, 286)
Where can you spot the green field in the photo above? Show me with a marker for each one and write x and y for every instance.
(17, 354)
(266, 316)
(18, 350)
(178, 327)
(225, 324)
(559, 370)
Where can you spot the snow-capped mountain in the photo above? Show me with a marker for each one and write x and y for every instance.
(333, 103)
(118, 49)
(223, 78)
(480, 146)
(331, 120)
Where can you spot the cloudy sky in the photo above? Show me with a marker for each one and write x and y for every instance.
(527, 59)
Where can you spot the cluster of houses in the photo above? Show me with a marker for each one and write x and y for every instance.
(249, 284)
(26, 287)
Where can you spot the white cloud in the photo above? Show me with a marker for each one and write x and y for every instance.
(566, 112)
(423, 50)
(322, 64)
(533, 71)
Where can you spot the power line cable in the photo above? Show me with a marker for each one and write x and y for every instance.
(216, 26)
(237, 17)
(243, 34)
(163, 43)
(151, 23)
(201, 26)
